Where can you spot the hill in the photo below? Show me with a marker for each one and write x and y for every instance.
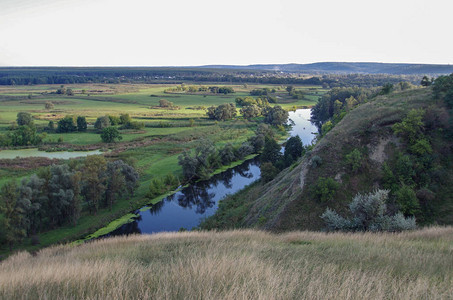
(419, 179)
(238, 265)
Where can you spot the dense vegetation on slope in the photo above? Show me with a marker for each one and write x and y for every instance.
(238, 265)
(400, 141)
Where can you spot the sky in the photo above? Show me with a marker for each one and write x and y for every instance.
(239, 32)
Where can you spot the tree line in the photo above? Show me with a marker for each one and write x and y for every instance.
(272, 115)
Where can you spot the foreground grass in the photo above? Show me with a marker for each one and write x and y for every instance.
(239, 265)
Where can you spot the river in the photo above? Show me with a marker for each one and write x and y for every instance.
(186, 208)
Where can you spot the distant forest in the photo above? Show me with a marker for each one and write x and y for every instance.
(74, 75)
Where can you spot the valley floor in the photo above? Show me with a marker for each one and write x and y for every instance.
(239, 265)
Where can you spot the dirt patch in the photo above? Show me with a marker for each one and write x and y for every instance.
(377, 152)
(28, 163)
(303, 173)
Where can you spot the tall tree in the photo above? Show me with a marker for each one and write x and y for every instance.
(24, 118)
(94, 181)
(275, 115)
(32, 199)
(13, 222)
(271, 151)
(81, 123)
(293, 148)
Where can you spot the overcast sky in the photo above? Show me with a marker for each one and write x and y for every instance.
(200, 32)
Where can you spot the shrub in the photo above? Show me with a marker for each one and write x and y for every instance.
(325, 189)
(156, 188)
(49, 105)
(171, 180)
(114, 120)
(315, 161)
(354, 160)
(369, 213)
(102, 122)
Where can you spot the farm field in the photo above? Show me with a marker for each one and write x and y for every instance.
(153, 150)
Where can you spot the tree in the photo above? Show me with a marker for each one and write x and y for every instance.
(411, 127)
(81, 124)
(201, 164)
(227, 154)
(386, 89)
(115, 183)
(49, 105)
(271, 151)
(25, 135)
(250, 111)
(369, 213)
(130, 175)
(293, 148)
(407, 200)
(67, 124)
(102, 122)
(268, 171)
(125, 118)
(275, 115)
(245, 149)
(110, 135)
(222, 112)
(94, 181)
(257, 142)
(426, 81)
(50, 126)
(32, 199)
(114, 120)
(443, 89)
(63, 193)
(24, 118)
(13, 221)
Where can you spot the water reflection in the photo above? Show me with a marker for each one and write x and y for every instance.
(186, 208)
(302, 126)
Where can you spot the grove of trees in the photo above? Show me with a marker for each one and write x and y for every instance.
(57, 195)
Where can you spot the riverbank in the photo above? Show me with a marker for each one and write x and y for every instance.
(181, 191)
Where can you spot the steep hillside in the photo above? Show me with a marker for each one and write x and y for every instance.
(300, 194)
(238, 265)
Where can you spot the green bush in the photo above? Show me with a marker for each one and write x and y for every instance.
(325, 189)
(110, 135)
(354, 160)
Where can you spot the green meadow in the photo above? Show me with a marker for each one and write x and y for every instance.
(153, 150)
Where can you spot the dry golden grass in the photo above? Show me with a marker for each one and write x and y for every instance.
(239, 265)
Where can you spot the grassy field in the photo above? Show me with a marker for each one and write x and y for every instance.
(239, 265)
(154, 150)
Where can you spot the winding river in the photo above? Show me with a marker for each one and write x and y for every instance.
(186, 208)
